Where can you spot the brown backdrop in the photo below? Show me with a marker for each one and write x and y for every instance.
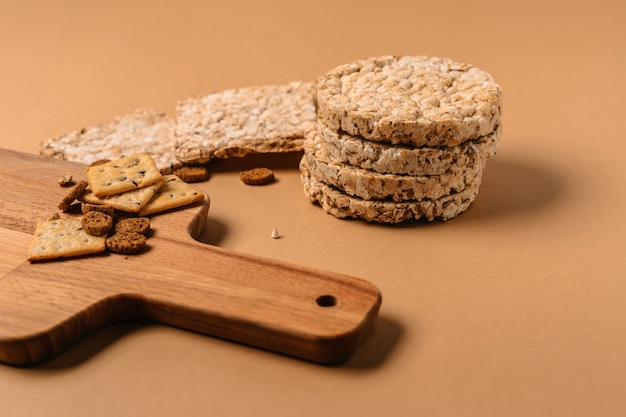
(515, 308)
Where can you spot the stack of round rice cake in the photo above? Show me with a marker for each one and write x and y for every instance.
(401, 138)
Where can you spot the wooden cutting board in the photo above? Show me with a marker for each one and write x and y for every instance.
(45, 307)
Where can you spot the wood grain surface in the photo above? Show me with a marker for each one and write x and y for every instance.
(47, 306)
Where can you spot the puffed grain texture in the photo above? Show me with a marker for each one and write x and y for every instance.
(342, 205)
(234, 123)
(371, 185)
(402, 160)
(415, 100)
(144, 130)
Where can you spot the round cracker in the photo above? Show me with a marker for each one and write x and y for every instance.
(257, 176)
(127, 243)
(342, 205)
(96, 223)
(402, 160)
(413, 100)
(371, 185)
(133, 224)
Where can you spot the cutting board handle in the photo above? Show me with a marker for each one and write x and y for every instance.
(305, 313)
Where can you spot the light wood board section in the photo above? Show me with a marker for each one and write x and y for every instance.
(48, 306)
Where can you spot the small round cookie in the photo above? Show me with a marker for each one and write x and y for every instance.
(133, 224)
(413, 100)
(96, 223)
(402, 160)
(371, 185)
(127, 243)
(342, 205)
(257, 176)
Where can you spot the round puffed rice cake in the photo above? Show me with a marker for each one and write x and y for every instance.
(371, 185)
(342, 205)
(401, 159)
(412, 100)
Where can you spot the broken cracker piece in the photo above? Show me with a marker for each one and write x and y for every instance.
(65, 180)
(74, 193)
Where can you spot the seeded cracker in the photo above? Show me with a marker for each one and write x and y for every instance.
(172, 194)
(63, 238)
(129, 201)
(124, 174)
(234, 123)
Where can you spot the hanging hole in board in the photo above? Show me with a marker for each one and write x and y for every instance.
(326, 301)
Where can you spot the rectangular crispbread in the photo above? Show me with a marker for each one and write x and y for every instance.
(144, 130)
(130, 201)
(234, 123)
(172, 194)
(61, 238)
(124, 174)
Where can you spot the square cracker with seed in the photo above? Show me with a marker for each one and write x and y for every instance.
(234, 123)
(62, 238)
(172, 194)
(124, 174)
(130, 201)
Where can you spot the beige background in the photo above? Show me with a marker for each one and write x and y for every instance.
(515, 308)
